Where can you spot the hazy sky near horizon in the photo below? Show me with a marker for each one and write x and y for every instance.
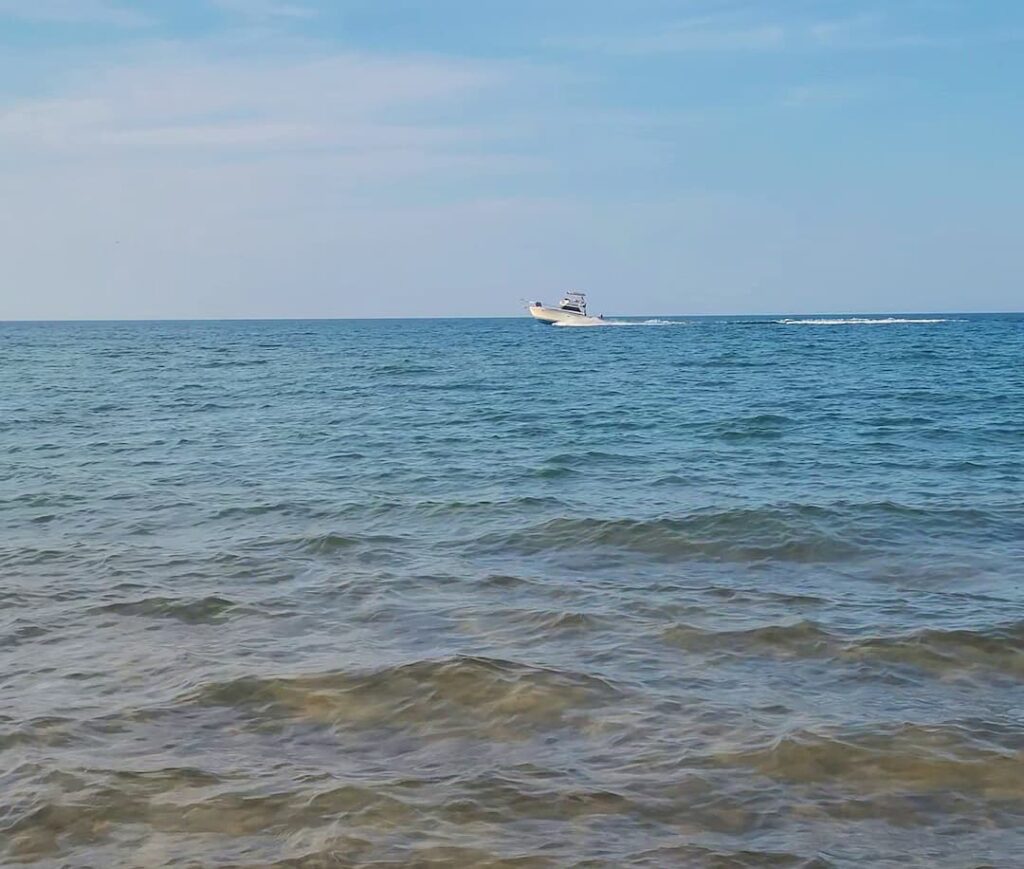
(307, 158)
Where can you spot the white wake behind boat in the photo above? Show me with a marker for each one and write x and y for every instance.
(571, 311)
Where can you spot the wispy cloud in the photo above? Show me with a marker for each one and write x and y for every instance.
(368, 109)
(867, 32)
(266, 10)
(75, 12)
(710, 33)
(747, 29)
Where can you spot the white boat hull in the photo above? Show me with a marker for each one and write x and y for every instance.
(558, 317)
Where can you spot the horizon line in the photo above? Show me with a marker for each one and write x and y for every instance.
(378, 317)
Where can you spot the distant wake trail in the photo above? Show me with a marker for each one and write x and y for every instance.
(652, 322)
(855, 321)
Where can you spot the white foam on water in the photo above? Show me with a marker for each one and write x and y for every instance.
(855, 321)
(653, 322)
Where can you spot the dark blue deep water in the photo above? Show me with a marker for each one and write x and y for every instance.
(714, 593)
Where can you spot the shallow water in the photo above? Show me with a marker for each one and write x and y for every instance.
(485, 593)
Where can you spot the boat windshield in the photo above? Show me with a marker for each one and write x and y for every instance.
(575, 302)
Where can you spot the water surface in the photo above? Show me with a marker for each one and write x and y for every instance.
(487, 593)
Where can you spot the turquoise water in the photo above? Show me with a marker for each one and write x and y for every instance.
(698, 592)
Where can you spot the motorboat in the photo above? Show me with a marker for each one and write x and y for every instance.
(571, 311)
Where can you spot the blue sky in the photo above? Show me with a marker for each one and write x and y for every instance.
(223, 158)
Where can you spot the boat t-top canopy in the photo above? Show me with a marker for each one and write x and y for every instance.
(574, 301)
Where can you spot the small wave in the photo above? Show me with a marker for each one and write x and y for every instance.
(284, 508)
(554, 472)
(326, 543)
(30, 555)
(932, 651)
(798, 534)
(922, 758)
(583, 459)
(998, 649)
(245, 812)
(802, 639)
(748, 858)
(510, 506)
(544, 623)
(22, 631)
(857, 321)
(479, 696)
(235, 363)
(405, 368)
(758, 426)
(506, 580)
(51, 731)
(206, 610)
